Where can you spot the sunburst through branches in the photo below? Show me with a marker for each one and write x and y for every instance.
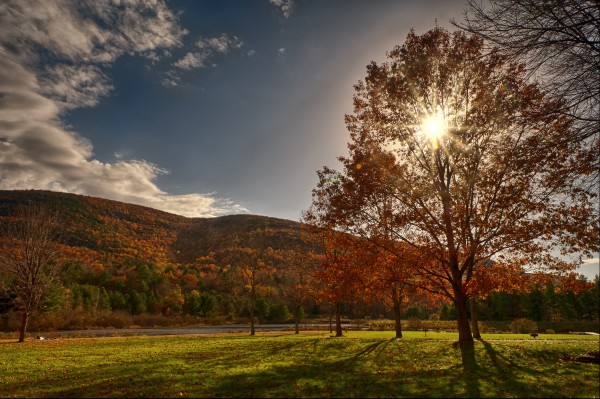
(434, 128)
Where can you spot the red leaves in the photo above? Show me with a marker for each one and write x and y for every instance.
(495, 192)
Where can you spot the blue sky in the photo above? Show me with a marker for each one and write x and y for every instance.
(200, 108)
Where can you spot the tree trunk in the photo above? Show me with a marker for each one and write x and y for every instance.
(465, 339)
(474, 319)
(252, 320)
(297, 319)
(338, 321)
(23, 329)
(397, 312)
(252, 306)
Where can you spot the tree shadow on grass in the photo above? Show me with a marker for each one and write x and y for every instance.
(506, 371)
(514, 376)
(353, 374)
(370, 348)
(343, 378)
(362, 369)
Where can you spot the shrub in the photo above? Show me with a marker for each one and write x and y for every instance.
(523, 326)
(10, 321)
(279, 313)
(414, 324)
(262, 309)
(299, 316)
(571, 325)
(381, 325)
(116, 319)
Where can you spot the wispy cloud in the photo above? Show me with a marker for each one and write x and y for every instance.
(207, 48)
(286, 6)
(75, 86)
(171, 79)
(88, 31)
(281, 53)
(222, 44)
(53, 58)
(190, 61)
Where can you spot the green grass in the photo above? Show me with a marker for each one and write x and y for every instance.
(361, 364)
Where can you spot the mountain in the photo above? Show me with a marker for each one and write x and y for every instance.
(112, 232)
(120, 257)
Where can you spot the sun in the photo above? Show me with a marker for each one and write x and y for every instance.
(433, 127)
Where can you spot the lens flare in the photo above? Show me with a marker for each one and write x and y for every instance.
(433, 127)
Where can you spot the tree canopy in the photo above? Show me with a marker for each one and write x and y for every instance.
(449, 153)
(560, 41)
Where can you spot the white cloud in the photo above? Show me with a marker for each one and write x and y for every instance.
(152, 56)
(589, 268)
(222, 44)
(281, 52)
(286, 6)
(207, 48)
(171, 79)
(88, 31)
(74, 86)
(169, 82)
(52, 56)
(190, 61)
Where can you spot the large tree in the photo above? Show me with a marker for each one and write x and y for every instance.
(452, 142)
(28, 257)
(560, 41)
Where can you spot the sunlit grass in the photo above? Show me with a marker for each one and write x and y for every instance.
(361, 364)
(485, 336)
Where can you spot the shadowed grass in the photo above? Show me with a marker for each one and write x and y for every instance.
(361, 364)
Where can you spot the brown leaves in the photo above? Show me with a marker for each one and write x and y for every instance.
(490, 188)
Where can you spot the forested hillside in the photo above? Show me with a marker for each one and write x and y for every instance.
(105, 233)
(130, 258)
(124, 262)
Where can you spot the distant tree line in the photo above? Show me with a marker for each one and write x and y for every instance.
(539, 304)
(146, 290)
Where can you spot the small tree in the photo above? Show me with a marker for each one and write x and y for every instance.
(340, 276)
(28, 257)
(298, 281)
(254, 261)
(389, 277)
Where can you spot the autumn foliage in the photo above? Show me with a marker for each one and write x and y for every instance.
(454, 153)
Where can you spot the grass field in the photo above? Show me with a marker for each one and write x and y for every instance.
(361, 364)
